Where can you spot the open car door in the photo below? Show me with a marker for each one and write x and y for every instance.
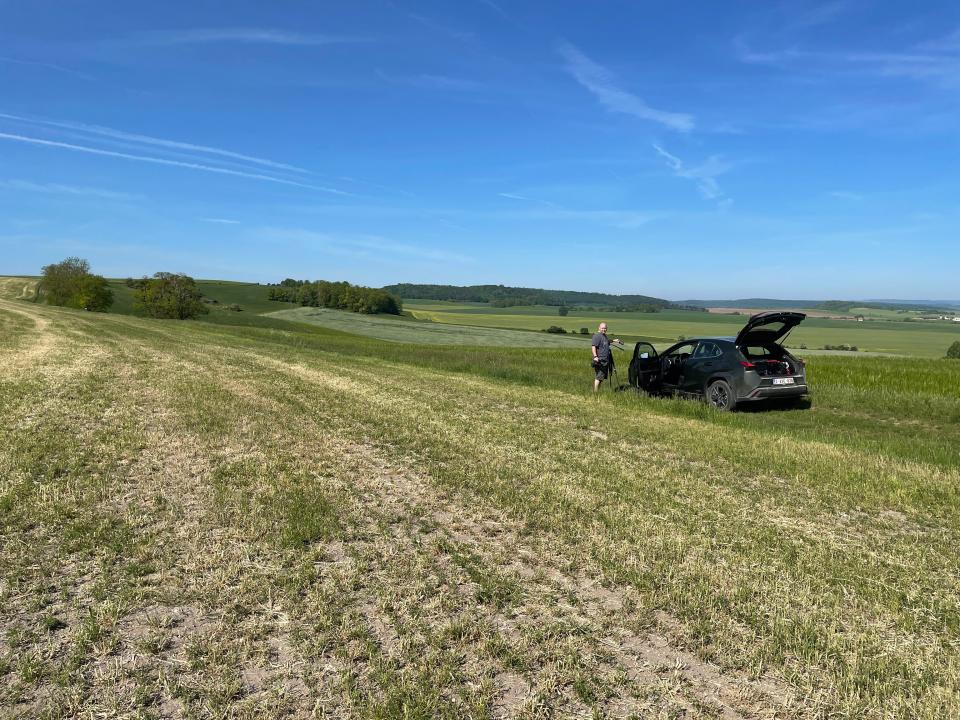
(644, 371)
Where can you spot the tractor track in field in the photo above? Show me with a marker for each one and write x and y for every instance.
(623, 637)
(403, 531)
(40, 340)
(414, 561)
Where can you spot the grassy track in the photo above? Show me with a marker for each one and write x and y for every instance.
(266, 518)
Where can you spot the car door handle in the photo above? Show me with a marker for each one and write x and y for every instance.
(709, 364)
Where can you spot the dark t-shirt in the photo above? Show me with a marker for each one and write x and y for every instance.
(602, 343)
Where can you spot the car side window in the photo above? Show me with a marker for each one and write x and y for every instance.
(707, 350)
(682, 350)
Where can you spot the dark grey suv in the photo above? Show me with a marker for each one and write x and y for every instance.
(726, 371)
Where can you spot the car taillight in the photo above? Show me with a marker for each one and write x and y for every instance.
(748, 365)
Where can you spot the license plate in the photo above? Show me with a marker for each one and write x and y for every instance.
(783, 381)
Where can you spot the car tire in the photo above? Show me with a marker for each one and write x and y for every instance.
(720, 395)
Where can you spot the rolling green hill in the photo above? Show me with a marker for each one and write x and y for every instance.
(756, 303)
(518, 295)
(879, 334)
(840, 306)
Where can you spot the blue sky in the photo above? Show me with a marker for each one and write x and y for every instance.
(702, 149)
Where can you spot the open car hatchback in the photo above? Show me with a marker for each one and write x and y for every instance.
(727, 371)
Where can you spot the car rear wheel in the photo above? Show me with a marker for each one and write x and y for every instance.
(720, 395)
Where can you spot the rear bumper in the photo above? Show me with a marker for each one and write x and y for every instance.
(769, 392)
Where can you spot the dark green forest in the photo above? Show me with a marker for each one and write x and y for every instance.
(506, 296)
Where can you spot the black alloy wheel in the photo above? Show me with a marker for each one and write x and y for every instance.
(720, 395)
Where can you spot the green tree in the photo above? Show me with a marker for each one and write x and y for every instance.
(338, 296)
(170, 296)
(71, 284)
(563, 311)
(953, 352)
(93, 294)
(61, 280)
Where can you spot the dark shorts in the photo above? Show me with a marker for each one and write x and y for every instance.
(603, 371)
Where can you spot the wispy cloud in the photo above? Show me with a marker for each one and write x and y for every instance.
(165, 161)
(937, 59)
(817, 15)
(705, 175)
(438, 27)
(364, 246)
(220, 221)
(445, 82)
(429, 81)
(524, 198)
(600, 81)
(101, 131)
(538, 211)
(48, 66)
(264, 36)
(622, 219)
(59, 189)
(948, 43)
(496, 8)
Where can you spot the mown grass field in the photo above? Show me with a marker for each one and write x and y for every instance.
(264, 519)
(406, 330)
(921, 339)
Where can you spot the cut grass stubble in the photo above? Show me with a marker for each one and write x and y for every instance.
(366, 517)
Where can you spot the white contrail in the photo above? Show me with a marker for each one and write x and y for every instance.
(246, 35)
(162, 161)
(599, 81)
(147, 140)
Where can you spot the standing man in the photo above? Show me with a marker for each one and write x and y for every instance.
(602, 358)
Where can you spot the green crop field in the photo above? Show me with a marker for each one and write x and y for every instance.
(400, 329)
(246, 517)
(921, 339)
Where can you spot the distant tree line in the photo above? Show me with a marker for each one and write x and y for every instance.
(845, 306)
(71, 284)
(337, 296)
(505, 296)
(639, 307)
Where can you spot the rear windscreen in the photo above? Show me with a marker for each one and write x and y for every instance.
(774, 327)
(757, 352)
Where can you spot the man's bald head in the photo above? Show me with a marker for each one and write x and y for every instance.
(603, 327)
